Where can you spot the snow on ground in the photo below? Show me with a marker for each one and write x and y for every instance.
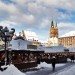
(44, 64)
(68, 59)
(11, 70)
(68, 71)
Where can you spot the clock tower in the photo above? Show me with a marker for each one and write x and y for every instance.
(53, 36)
(53, 30)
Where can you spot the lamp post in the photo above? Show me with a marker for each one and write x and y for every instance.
(10, 57)
(6, 36)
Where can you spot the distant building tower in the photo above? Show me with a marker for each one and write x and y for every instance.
(23, 34)
(53, 30)
(14, 36)
(53, 36)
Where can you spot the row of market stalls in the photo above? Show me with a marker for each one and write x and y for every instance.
(22, 52)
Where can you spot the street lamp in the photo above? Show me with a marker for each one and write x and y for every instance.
(6, 36)
(10, 57)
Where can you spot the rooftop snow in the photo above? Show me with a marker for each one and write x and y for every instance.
(71, 33)
(31, 35)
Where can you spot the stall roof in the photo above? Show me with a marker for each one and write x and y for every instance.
(53, 49)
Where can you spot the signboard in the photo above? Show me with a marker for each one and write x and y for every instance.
(31, 47)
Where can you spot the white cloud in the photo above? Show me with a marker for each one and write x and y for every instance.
(36, 13)
(35, 8)
(8, 7)
(65, 4)
(40, 10)
(24, 19)
(48, 2)
(29, 19)
(21, 2)
(65, 27)
(43, 39)
(7, 23)
(12, 9)
(48, 8)
(13, 12)
(45, 23)
(30, 12)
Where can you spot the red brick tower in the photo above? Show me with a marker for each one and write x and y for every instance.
(53, 30)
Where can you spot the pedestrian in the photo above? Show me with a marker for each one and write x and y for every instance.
(72, 58)
(53, 62)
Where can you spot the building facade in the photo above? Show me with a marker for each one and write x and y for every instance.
(31, 36)
(55, 40)
(67, 41)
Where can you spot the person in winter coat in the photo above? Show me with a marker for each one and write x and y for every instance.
(72, 58)
(53, 62)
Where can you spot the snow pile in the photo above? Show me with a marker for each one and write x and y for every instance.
(69, 59)
(44, 69)
(44, 64)
(11, 70)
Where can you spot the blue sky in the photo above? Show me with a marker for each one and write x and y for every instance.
(36, 15)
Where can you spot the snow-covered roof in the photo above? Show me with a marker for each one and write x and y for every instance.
(71, 49)
(54, 49)
(31, 35)
(71, 33)
(19, 44)
(60, 48)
